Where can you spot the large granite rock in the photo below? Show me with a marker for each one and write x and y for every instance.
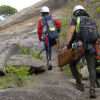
(27, 61)
(8, 57)
(4, 56)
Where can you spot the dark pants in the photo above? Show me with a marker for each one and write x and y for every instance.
(91, 63)
(91, 68)
(48, 53)
(52, 42)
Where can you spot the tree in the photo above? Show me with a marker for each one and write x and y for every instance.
(7, 10)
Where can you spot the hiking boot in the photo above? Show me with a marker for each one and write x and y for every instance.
(49, 65)
(80, 86)
(92, 92)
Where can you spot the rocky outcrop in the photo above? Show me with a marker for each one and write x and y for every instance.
(25, 37)
(27, 61)
(8, 40)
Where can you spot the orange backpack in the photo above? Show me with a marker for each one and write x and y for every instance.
(97, 49)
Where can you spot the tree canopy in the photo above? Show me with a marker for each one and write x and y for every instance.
(7, 10)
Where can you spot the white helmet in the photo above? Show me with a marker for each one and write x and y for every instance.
(77, 8)
(45, 9)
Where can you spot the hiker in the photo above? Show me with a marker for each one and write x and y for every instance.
(48, 30)
(84, 30)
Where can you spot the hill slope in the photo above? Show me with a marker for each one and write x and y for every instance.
(21, 28)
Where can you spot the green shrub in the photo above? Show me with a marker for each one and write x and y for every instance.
(32, 53)
(98, 9)
(7, 10)
(15, 77)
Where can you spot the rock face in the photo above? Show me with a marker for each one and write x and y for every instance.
(5, 56)
(31, 12)
(23, 36)
(39, 93)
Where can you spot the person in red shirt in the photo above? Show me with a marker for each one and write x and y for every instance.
(45, 11)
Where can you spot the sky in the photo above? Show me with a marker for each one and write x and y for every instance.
(18, 4)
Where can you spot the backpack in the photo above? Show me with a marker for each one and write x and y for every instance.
(87, 29)
(49, 27)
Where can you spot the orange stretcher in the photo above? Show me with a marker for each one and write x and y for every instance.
(68, 57)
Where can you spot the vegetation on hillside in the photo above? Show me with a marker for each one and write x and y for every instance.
(15, 77)
(7, 10)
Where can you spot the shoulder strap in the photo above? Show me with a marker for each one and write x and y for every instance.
(77, 25)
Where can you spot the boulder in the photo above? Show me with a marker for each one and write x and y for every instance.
(8, 57)
(4, 56)
(2, 63)
(27, 61)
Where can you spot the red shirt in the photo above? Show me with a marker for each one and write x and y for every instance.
(40, 27)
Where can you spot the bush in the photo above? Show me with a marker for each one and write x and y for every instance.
(98, 9)
(15, 77)
(32, 53)
(7, 10)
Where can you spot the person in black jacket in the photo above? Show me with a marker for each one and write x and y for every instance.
(72, 37)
